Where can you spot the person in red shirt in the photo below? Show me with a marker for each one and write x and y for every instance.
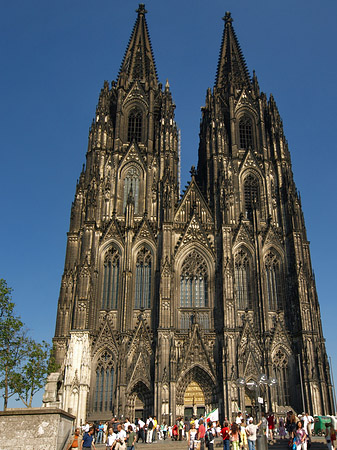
(271, 426)
(201, 434)
(225, 436)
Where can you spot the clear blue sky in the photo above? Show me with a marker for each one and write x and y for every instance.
(55, 57)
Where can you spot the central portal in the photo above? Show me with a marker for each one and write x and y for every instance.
(194, 401)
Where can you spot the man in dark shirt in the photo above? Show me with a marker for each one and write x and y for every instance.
(88, 438)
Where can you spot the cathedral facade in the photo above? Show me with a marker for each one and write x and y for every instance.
(168, 300)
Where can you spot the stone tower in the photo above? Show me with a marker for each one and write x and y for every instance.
(167, 300)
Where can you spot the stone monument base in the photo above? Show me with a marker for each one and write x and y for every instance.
(35, 429)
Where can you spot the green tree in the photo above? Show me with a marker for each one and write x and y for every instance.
(12, 342)
(37, 365)
(24, 363)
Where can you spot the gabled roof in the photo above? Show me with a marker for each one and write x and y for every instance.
(138, 62)
(232, 68)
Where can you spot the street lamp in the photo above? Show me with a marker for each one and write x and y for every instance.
(253, 385)
(261, 442)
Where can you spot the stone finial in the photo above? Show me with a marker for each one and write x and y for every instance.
(141, 9)
(193, 172)
(228, 17)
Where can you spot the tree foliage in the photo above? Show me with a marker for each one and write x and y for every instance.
(24, 363)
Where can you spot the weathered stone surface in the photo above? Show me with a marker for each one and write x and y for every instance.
(35, 429)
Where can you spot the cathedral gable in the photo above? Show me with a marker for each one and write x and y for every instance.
(191, 201)
(144, 232)
(273, 236)
(141, 339)
(112, 231)
(197, 353)
(139, 370)
(246, 101)
(252, 367)
(194, 232)
(136, 93)
(243, 234)
(248, 343)
(280, 337)
(105, 339)
(132, 155)
(250, 162)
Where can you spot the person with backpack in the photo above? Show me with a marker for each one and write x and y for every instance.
(209, 437)
(149, 430)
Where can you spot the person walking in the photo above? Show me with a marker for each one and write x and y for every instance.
(75, 440)
(328, 437)
(88, 439)
(300, 437)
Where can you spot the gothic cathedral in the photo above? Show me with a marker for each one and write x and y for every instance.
(168, 300)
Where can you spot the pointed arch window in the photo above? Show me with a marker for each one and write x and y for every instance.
(131, 183)
(281, 371)
(273, 282)
(194, 282)
(135, 125)
(242, 280)
(143, 278)
(110, 279)
(104, 379)
(251, 194)
(246, 132)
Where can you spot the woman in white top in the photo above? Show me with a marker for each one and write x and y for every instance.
(191, 436)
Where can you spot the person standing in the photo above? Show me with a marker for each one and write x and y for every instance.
(100, 433)
(210, 436)
(140, 430)
(75, 440)
(251, 431)
(234, 436)
(271, 427)
(111, 438)
(120, 438)
(307, 421)
(130, 438)
(180, 428)
(191, 437)
(328, 436)
(300, 437)
(201, 434)
(225, 435)
(88, 438)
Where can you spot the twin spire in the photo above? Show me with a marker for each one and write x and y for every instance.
(138, 62)
(232, 68)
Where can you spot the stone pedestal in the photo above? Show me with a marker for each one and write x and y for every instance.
(35, 429)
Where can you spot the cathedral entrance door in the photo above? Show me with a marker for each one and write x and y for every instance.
(194, 400)
(139, 402)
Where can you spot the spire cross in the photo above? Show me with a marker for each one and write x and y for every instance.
(228, 17)
(141, 9)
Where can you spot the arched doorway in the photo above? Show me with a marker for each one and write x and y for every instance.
(139, 402)
(194, 400)
(195, 393)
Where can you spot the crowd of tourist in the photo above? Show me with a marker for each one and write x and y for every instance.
(199, 433)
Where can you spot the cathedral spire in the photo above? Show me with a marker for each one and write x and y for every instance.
(232, 68)
(138, 62)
